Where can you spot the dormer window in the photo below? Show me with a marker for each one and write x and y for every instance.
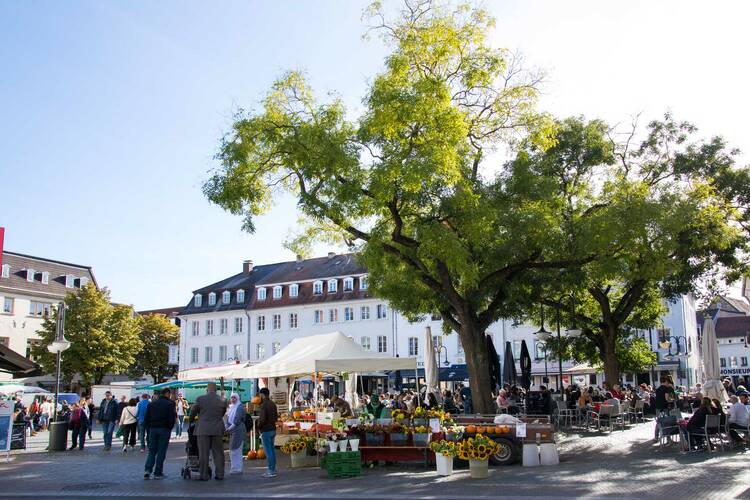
(30, 275)
(45, 277)
(82, 282)
(277, 292)
(332, 286)
(6, 271)
(69, 281)
(197, 300)
(363, 282)
(261, 294)
(226, 297)
(348, 284)
(294, 290)
(211, 299)
(240, 296)
(318, 288)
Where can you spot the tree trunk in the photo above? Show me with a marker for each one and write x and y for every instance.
(609, 356)
(478, 365)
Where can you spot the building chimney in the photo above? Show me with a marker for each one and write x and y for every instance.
(331, 255)
(247, 267)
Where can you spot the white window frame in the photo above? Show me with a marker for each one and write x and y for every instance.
(277, 292)
(45, 277)
(413, 346)
(223, 353)
(365, 343)
(209, 327)
(364, 312)
(212, 299)
(70, 281)
(30, 275)
(223, 326)
(348, 313)
(333, 285)
(262, 293)
(333, 315)
(293, 321)
(237, 351)
(197, 300)
(196, 328)
(348, 284)
(293, 290)
(318, 288)
(363, 282)
(82, 281)
(382, 311)
(5, 271)
(261, 323)
(239, 324)
(275, 347)
(208, 354)
(318, 317)
(260, 351)
(194, 355)
(226, 297)
(276, 322)
(240, 296)
(382, 343)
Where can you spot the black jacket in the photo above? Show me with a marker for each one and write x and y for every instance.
(108, 410)
(161, 413)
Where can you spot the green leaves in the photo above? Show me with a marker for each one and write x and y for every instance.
(156, 334)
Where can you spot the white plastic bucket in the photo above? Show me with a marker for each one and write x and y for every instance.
(530, 455)
(444, 465)
(548, 454)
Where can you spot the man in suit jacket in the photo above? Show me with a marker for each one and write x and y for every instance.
(210, 409)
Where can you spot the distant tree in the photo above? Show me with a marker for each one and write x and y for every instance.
(156, 333)
(103, 337)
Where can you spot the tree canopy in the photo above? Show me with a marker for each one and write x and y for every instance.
(156, 334)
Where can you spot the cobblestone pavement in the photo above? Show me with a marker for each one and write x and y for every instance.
(623, 464)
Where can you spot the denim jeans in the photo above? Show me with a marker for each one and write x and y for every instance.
(108, 427)
(178, 425)
(267, 440)
(158, 441)
(142, 434)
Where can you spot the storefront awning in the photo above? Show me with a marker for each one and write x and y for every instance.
(19, 366)
(457, 373)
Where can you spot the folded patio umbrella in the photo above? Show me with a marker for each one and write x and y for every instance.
(496, 373)
(509, 366)
(525, 366)
(712, 387)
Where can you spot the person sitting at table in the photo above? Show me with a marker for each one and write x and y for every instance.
(617, 392)
(597, 396)
(612, 401)
(575, 393)
(502, 401)
(698, 422)
(739, 415)
(718, 409)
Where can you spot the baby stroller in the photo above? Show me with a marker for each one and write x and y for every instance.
(191, 461)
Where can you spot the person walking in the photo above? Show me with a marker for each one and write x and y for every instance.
(78, 422)
(210, 409)
(108, 418)
(182, 408)
(160, 416)
(46, 410)
(269, 414)
(236, 429)
(91, 407)
(140, 416)
(129, 424)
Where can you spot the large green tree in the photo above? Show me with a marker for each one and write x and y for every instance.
(156, 333)
(665, 224)
(103, 337)
(407, 183)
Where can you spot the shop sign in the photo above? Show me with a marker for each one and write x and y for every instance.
(736, 371)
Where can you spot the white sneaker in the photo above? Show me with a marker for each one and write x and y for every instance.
(124, 449)
(269, 474)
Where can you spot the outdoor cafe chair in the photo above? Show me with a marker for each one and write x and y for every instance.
(605, 416)
(712, 429)
(636, 412)
(564, 414)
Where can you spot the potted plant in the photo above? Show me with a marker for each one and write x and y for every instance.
(477, 450)
(354, 430)
(334, 441)
(444, 453)
(398, 434)
(421, 435)
(420, 416)
(299, 450)
(374, 434)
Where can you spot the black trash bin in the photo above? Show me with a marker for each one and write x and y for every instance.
(58, 436)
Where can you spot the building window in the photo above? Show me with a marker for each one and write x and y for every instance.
(723, 362)
(733, 361)
(318, 316)
(277, 292)
(332, 286)
(318, 288)
(39, 309)
(382, 311)
(5, 341)
(333, 315)
(539, 350)
(275, 347)
(45, 277)
(82, 282)
(365, 342)
(413, 346)
(209, 327)
(382, 343)
(743, 360)
(30, 344)
(363, 282)
(261, 323)
(6, 271)
(516, 349)
(238, 352)
(69, 281)
(261, 294)
(30, 275)
(198, 300)
(260, 351)
(364, 312)
(193, 355)
(196, 328)
(8, 305)
(222, 353)
(437, 341)
(293, 290)
(211, 299)
(223, 326)
(292, 320)
(226, 297)
(348, 314)
(240, 296)
(348, 284)
(238, 322)
(277, 321)
(209, 354)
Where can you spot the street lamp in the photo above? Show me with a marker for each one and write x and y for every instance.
(441, 348)
(57, 347)
(544, 348)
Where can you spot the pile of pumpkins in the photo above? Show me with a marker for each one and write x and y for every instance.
(488, 429)
(252, 454)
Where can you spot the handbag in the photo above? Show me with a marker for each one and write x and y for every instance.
(119, 431)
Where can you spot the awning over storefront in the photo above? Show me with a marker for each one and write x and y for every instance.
(581, 369)
(457, 373)
(19, 366)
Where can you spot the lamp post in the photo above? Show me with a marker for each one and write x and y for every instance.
(666, 343)
(57, 347)
(543, 335)
(441, 348)
(544, 347)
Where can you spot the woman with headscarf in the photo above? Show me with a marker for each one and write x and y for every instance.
(235, 425)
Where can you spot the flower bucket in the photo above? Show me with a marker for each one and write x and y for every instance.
(444, 464)
(399, 439)
(374, 439)
(333, 446)
(302, 459)
(421, 439)
(342, 445)
(420, 421)
(354, 443)
(478, 469)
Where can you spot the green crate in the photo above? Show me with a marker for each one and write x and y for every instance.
(343, 464)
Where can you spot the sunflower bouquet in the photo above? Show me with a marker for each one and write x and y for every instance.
(479, 447)
(445, 448)
(420, 412)
(439, 414)
(422, 429)
(298, 445)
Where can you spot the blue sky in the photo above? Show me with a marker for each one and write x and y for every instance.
(111, 112)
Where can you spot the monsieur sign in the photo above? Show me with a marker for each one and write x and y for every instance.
(736, 371)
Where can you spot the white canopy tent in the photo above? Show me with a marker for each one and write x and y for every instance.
(328, 353)
(208, 373)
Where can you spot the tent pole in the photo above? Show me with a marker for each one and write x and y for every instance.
(419, 398)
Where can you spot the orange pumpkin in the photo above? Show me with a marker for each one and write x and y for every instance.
(480, 429)
(261, 454)
(297, 414)
(256, 400)
(499, 429)
(251, 455)
(471, 429)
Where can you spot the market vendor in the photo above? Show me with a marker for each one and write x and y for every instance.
(341, 406)
(374, 407)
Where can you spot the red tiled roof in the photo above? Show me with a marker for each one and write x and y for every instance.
(738, 326)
